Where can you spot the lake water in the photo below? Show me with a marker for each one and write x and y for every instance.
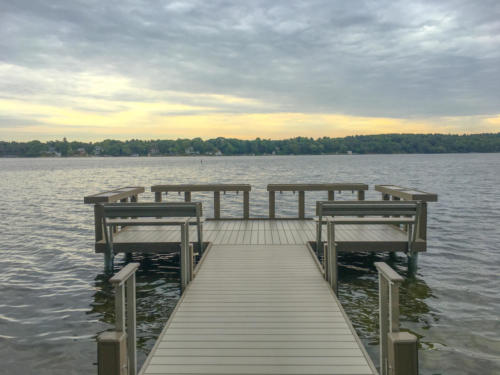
(54, 297)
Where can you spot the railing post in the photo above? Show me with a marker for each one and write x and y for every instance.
(302, 204)
(325, 261)
(217, 204)
(383, 302)
(131, 326)
(191, 262)
(272, 204)
(120, 308)
(112, 353)
(361, 195)
(183, 259)
(331, 195)
(422, 225)
(246, 204)
(332, 257)
(186, 256)
(398, 350)
(402, 354)
(187, 196)
(99, 228)
(158, 196)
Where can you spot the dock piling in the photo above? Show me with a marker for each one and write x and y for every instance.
(109, 255)
(246, 204)
(302, 204)
(217, 204)
(272, 204)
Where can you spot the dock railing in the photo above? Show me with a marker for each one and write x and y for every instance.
(398, 350)
(302, 188)
(187, 189)
(396, 193)
(116, 350)
(124, 194)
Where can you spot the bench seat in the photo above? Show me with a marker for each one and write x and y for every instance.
(154, 221)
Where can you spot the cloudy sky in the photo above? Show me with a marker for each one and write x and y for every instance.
(96, 69)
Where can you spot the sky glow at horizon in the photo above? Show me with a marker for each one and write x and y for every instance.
(90, 70)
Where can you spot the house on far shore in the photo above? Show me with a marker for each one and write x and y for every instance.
(153, 151)
(81, 152)
(218, 153)
(97, 150)
(52, 152)
(191, 151)
(349, 152)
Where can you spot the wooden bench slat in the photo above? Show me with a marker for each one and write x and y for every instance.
(151, 221)
(373, 220)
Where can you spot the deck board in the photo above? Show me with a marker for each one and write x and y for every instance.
(258, 309)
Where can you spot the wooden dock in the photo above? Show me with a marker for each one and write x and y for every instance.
(259, 301)
(258, 309)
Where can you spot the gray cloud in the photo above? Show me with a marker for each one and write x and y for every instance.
(18, 122)
(370, 58)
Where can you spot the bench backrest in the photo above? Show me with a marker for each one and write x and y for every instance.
(367, 208)
(171, 209)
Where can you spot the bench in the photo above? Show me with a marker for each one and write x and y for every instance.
(146, 214)
(362, 212)
(369, 212)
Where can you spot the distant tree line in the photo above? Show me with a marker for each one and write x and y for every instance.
(363, 144)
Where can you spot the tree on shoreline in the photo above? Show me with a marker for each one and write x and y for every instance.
(366, 144)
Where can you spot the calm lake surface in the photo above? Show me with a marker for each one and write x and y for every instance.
(54, 298)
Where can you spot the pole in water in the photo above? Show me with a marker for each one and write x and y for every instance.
(412, 263)
(108, 261)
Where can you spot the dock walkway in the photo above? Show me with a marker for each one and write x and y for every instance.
(258, 309)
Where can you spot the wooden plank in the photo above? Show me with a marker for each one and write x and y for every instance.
(406, 193)
(113, 195)
(201, 187)
(317, 187)
(259, 338)
(256, 369)
(258, 325)
(258, 360)
(262, 352)
(240, 344)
